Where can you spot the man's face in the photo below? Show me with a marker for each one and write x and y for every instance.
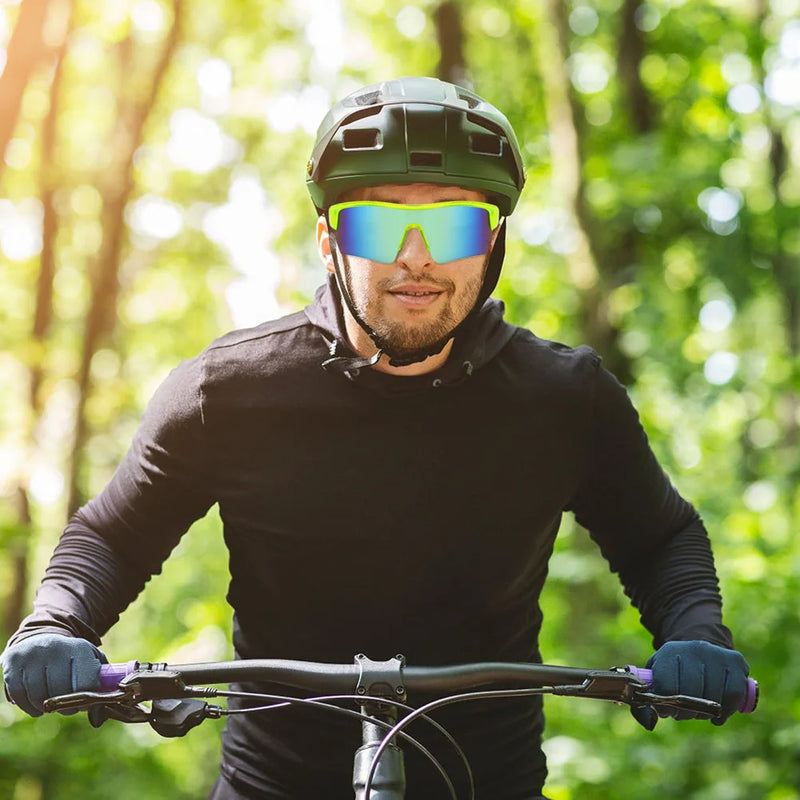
(414, 301)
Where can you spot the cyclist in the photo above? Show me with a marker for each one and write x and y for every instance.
(391, 465)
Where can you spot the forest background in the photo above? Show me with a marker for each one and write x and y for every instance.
(152, 197)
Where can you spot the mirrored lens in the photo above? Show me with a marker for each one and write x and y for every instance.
(377, 231)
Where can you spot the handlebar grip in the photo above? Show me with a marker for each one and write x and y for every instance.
(112, 674)
(109, 677)
(747, 706)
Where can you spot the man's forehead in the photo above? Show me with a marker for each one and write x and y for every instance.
(412, 193)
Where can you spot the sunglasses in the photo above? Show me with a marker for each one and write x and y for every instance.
(376, 231)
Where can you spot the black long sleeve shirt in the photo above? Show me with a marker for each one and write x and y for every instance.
(381, 514)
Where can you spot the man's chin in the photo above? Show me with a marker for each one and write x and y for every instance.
(417, 350)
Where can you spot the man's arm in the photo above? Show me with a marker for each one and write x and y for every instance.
(112, 546)
(655, 541)
(651, 537)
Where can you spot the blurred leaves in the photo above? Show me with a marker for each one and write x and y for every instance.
(686, 189)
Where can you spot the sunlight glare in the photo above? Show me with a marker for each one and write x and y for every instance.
(411, 21)
(495, 22)
(314, 103)
(717, 315)
(721, 205)
(283, 112)
(720, 367)
(147, 16)
(215, 78)
(589, 75)
(245, 228)
(46, 485)
(20, 230)
(782, 85)
(790, 41)
(583, 20)
(155, 217)
(325, 32)
(744, 98)
(736, 68)
(760, 496)
(197, 142)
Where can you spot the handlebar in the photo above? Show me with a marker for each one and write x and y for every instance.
(132, 681)
(378, 687)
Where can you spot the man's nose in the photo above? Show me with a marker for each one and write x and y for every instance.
(413, 251)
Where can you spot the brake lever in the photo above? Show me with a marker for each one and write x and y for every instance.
(81, 701)
(618, 685)
(126, 713)
(682, 701)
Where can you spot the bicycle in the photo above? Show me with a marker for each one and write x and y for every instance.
(176, 696)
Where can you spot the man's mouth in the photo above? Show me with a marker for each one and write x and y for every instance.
(416, 296)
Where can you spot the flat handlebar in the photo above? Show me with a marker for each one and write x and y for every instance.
(628, 684)
(178, 694)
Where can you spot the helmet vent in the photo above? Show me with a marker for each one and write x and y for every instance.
(355, 139)
(469, 99)
(368, 99)
(420, 159)
(486, 143)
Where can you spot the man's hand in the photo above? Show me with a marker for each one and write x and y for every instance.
(697, 669)
(47, 665)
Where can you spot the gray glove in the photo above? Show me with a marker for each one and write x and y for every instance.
(697, 669)
(46, 665)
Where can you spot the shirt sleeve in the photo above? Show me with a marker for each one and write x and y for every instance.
(652, 538)
(116, 542)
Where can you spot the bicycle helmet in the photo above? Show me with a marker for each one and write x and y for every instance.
(416, 130)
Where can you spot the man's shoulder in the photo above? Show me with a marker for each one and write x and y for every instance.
(256, 338)
(247, 356)
(530, 351)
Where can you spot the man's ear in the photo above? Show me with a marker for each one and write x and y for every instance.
(324, 243)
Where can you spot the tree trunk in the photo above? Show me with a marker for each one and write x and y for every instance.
(450, 35)
(43, 316)
(26, 50)
(101, 316)
(584, 263)
(630, 53)
(785, 265)
(786, 269)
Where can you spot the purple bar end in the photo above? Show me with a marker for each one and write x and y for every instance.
(112, 674)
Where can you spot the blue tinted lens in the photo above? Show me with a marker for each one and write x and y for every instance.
(376, 232)
(369, 232)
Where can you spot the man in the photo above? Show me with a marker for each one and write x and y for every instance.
(391, 465)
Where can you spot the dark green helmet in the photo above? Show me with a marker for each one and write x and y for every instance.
(415, 130)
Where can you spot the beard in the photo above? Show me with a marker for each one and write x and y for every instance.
(403, 339)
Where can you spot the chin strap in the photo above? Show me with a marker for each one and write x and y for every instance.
(344, 364)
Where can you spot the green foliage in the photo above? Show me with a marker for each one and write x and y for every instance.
(695, 226)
